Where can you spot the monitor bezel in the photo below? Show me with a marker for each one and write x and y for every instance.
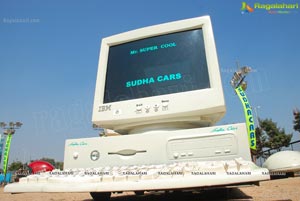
(115, 121)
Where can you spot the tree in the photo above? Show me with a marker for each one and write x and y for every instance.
(59, 165)
(49, 160)
(268, 135)
(296, 113)
(14, 166)
(260, 141)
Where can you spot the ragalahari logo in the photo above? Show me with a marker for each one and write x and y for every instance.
(246, 8)
(273, 8)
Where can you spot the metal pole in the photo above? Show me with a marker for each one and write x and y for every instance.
(256, 114)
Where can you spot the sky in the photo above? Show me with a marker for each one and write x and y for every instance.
(49, 55)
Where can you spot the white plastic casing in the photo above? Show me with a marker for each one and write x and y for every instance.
(201, 107)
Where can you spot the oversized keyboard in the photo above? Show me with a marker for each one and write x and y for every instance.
(179, 175)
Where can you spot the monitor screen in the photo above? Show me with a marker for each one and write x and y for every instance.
(159, 65)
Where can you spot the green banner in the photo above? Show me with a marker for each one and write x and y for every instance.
(6, 152)
(1, 146)
(249, 117)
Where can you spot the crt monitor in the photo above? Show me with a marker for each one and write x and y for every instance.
(159, 77)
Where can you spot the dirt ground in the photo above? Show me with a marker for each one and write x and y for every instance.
(275, 190)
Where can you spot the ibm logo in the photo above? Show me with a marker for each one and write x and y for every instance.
(104, 108)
